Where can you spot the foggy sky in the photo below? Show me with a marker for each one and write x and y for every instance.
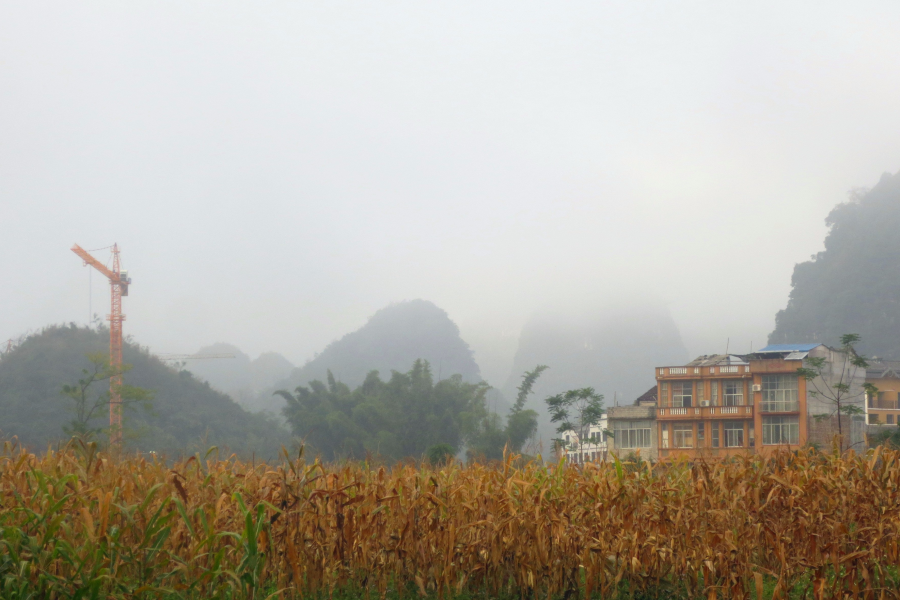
(276, 172)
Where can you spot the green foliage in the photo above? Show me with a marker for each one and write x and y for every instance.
(527, 386)
(521, 424)
(575, 410)
(488, 438)
(187, 414)
(401, 417)
(889, 438)
(854, 284)
(90, 405)
(439, 454)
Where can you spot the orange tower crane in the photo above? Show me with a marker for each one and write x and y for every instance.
(118, 281)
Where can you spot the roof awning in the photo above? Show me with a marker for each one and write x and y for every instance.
(787, 348)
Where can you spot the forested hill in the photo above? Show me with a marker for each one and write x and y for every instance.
(393, 339)
(187, 415)
(853, 286)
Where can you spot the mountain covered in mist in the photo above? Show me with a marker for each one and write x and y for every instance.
(240, 377)
(187, 415)
(392, 340)
(612, 349)
(853, 286)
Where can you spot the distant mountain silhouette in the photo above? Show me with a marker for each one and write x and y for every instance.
(187, 414)
(612, 349)
(241, 378)
(392, 339)
(853, 286)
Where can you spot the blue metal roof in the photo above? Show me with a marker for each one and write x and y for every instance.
(788, 348)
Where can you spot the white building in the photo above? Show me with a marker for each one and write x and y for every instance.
(592, 449)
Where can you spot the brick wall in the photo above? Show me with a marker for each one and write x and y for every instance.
(822, 432)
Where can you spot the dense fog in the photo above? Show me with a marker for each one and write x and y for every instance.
(275, 174)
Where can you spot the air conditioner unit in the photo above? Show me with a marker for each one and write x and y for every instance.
(757, 387)
(704, 403)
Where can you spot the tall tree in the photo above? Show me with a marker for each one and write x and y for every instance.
(833, 383)
(404, 416)
(487, 436)
(576, 411)
(521, 423)
(90, 405)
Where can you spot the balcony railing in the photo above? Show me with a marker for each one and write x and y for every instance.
(695, 412)
(883, 404)
(725, 369)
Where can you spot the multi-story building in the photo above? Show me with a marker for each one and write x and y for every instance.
(634, 428)
(883, 407)
(720, 405)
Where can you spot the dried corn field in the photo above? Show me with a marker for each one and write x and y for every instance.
(814, 525)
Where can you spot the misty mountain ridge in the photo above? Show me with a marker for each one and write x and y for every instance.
(391, 340)
(613, 348)
(853, 286)
(242, 378)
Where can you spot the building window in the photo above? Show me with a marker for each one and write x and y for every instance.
(700, 393)
(733, 392)
(632, 434)
(890, 419)
(873, 419)
(734, 434)
(752, 435)
(715, 434)
(665, 436)
(664, 394)
(714, 393)
(684, 435)
(779, 393)
(701, 435)
(682, 393)
(781, 430)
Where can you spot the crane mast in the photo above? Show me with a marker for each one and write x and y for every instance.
(118, 281)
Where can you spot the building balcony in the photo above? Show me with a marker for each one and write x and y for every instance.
(883, 404)
(669, 373)
(692, 413)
